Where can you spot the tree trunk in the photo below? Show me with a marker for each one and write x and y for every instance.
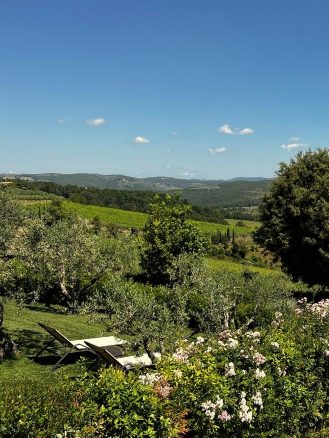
(8, 348)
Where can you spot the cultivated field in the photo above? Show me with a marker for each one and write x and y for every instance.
(129, 219)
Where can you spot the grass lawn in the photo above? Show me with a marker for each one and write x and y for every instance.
(21, 323)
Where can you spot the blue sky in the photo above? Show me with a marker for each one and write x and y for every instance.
(184, 88)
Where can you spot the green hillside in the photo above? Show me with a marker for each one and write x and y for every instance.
(129, 219)
(122, 218)
(228, 194)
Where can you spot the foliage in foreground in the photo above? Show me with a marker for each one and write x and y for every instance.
(253, 383)
(244, 383)
(34, 409)
(118, 405)
(109, 404)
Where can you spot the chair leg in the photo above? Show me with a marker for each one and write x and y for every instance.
(60, 360)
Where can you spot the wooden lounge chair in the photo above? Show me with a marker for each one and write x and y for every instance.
(126, 362)
(81, 344)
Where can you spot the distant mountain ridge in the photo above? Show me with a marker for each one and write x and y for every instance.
(249, 178)
(121, 182)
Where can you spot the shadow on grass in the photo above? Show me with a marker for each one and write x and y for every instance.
(72, 358)
(44, 309)
(29, 341)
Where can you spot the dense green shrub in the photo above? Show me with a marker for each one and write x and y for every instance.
(216, 301)
(261, 297)
(217, 251)
(168, 234)
(118, 405)
(241, 224)
(32, 409)
(238, 250)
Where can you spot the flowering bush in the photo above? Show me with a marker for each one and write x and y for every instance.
(247, 383)
(266, 382)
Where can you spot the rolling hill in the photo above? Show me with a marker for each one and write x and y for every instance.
(239, 192)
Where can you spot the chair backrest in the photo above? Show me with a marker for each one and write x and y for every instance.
(56, 334)
(105, 354)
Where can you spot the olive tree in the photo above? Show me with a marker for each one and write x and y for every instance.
(12, 219)
(68, 259)
(153, 319)
(295, 217)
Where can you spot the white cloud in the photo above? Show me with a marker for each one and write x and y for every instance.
(226, 129)
(294, 143)
(187, 173)
(216, 150)
(246, 131)
(141, 140)
(61, 121)
(96, 122)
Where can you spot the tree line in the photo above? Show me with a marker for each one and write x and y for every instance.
(131, 200)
